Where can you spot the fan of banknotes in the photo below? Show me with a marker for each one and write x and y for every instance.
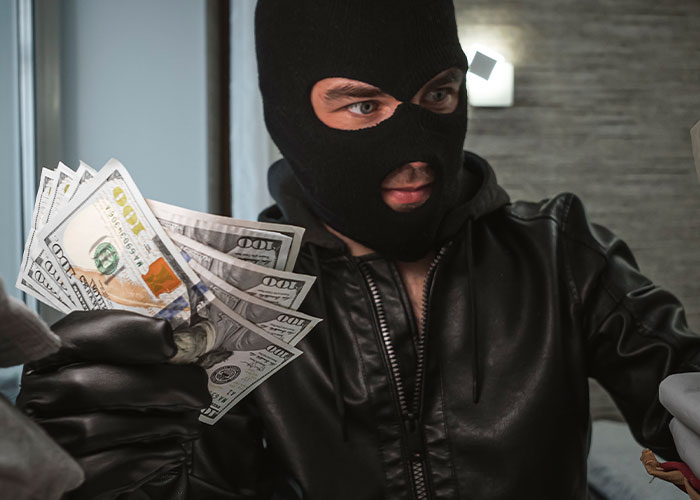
(224, 284)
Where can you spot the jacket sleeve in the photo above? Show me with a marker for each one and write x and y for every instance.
(635, 333)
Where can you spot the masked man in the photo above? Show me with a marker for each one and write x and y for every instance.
(459, 328)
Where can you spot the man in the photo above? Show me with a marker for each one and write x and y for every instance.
(459, 328)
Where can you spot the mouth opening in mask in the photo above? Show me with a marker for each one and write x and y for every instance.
(408, 186)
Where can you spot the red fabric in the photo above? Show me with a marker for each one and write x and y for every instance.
(685, 470)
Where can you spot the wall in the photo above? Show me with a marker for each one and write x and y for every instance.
(132, 86)
(605, 94)
(252, 150)
(10, 181)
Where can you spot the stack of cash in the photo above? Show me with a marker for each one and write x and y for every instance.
(224, 284)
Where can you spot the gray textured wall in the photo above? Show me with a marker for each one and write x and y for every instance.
(605, 95)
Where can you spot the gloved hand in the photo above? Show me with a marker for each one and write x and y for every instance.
(110, 398)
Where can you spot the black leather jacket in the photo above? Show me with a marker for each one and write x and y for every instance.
(524, 304)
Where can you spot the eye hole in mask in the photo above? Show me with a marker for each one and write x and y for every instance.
(346, 104)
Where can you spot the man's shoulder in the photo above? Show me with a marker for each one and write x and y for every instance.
(555, 208)
(566, 215)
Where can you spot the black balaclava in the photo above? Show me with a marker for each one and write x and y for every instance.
(397, 46)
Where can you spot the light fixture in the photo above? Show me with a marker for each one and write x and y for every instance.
(489, 79)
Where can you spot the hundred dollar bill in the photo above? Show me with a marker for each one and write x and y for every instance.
(265, 244)
(243, 358)
(24, 281)
(39, 268)
(285, 324)
(276, 287)
(84, 174)
(33, 279)
(58, 199)
(265, 248)
(114, 254)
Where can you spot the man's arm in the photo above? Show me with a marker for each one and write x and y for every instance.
(111, 399)
(635, 332)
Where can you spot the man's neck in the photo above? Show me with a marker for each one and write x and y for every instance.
(413, 274)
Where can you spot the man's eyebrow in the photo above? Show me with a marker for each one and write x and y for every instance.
(350, 90)
(451, 77)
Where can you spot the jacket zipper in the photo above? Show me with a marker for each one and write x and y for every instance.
(412, 426)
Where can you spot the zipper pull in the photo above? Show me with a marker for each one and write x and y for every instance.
(413, 431)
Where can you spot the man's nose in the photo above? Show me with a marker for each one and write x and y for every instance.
(414, 170)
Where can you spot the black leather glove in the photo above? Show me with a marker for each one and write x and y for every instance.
(110, 398)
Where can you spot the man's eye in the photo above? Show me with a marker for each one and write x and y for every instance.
(363, 108)
(438, 95)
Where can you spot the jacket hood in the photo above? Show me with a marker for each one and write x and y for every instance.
(291, 207)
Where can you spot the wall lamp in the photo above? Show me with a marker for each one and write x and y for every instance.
(489, 79)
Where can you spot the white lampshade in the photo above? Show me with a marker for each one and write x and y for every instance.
(490, 78)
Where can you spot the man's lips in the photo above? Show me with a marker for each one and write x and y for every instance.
(407, 195)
